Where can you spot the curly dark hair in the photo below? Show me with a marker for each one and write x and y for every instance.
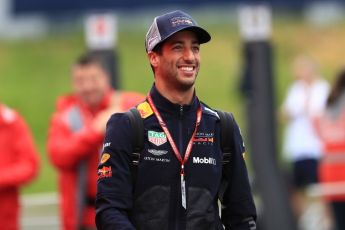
(92, 57)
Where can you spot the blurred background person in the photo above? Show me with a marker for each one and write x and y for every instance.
(331, 127)
(76, 134)
(305, 100)
(19, 164)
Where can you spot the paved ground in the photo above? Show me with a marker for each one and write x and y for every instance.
(40, 212)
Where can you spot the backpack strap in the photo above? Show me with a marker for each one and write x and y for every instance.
(226, 134)
(137, 125)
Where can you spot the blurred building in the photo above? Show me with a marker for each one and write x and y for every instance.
(14, 26)
(33, 18)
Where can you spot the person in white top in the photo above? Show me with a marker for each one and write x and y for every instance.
(305, 100)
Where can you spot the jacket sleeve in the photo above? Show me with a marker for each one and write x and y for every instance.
(238, 208)
(114, 186)
(65, 147)
(25, 165)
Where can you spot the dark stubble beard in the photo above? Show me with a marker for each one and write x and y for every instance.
(183, 87)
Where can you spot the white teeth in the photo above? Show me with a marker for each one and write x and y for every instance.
(186, 68)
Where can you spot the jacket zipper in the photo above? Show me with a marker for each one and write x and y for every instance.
(180, 135)
(182, 152)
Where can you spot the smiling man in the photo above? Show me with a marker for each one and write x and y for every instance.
(181, 174)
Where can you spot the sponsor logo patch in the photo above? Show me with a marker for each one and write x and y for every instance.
(105, 157)
(204, 160)
(180, 21)
(107, 144)
(163, 160)
(105, 172)
(157, 152)
(204, 138)
(144, 109)
(157, 138)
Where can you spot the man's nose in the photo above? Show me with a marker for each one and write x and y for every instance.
(188, 54)
(88, 85)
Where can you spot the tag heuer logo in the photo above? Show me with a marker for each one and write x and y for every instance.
(157, 138)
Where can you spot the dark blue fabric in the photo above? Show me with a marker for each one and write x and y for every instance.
(305, 172)
(338, 208)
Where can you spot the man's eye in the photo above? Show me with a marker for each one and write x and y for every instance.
(177, 47)
(196, 48)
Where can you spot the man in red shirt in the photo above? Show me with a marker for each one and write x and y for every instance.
(76, 135)
(19, 163)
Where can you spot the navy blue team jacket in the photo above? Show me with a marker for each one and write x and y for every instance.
(153, 201)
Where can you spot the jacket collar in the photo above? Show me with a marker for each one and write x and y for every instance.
(163, 104)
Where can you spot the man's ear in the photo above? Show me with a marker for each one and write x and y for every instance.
(153, 58)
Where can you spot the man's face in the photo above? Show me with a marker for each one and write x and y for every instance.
(304, 69)
(179, 63)
(90, 83)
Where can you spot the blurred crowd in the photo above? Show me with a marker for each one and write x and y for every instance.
(314, 143)
(74, 144)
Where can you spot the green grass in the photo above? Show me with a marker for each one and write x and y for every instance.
(33, 73)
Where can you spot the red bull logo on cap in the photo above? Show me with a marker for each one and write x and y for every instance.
(178, 21)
